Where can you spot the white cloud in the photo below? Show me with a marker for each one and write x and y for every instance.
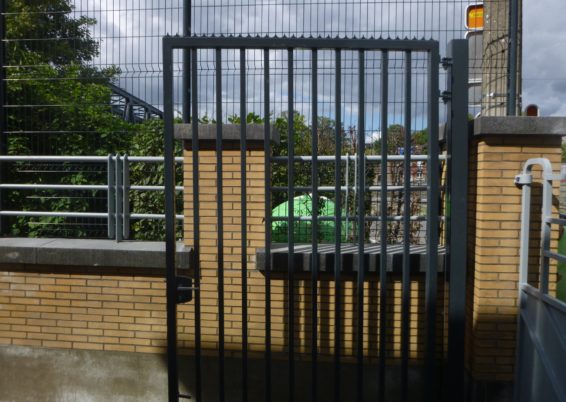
(544, 56)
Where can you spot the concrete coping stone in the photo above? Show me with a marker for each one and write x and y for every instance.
(519, 125)
(230, 132)
(89, 253)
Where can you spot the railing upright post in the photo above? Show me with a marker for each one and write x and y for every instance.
(118, 197)
(110, 195)
(126, 197)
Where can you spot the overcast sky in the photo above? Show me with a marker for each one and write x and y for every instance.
(544, 55)
(130, 32)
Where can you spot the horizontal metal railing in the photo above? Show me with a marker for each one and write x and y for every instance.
(117, 188)
(351, 162)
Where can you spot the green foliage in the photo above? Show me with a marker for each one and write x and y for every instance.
(150, 141)
(396, 141)
(57, 38)
(251, 118)
(49, 52)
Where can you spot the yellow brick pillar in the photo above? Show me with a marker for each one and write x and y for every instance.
(232, 237)
(499, 148)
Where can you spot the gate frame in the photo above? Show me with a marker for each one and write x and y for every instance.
(458, 187)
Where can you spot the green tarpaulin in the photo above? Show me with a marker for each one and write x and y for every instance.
(302, 207)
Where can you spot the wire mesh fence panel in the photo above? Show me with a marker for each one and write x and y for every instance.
(84, 77)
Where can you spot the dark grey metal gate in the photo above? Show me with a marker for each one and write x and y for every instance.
(541, 339)
(442, 253)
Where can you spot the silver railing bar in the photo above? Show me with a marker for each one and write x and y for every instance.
(56, 214)
(345, 188)
(54, 186)
(306, 218)
(353, 157)
(154, 216)
(67, 158)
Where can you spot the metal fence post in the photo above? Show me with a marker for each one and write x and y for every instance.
(457, 143)
(170, 244)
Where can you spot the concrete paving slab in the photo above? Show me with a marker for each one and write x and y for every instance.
(53, 375)
(39, 374)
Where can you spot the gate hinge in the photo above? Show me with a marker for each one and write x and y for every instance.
(446, 96)
(522, 179)
(446, 62)
(185, 289)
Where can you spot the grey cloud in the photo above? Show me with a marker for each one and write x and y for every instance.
(544, 55)
(130, 35)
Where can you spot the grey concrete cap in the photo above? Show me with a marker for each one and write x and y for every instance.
(519, 125)
(89, 253)
(230, 132)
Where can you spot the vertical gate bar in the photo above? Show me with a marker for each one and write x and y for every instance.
(111, 196)
(244, 224)
(347, 183)
(457, 140)
(220, 225)
(314, 228)
(432, 228)
(384, 223)
(406, 273)
(361, 231)
(196, 222)
(267, 167)
(126, 197)
(291, 226)
(171, 272)
(338, 221)
(119, 195)
(187, 30)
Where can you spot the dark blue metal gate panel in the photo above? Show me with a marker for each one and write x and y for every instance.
(454, 230)
(542, 348)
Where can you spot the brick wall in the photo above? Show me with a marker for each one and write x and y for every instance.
(82, 308)
(494, 218)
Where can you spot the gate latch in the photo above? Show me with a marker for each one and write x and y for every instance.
(184, 289)
(522, 179)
